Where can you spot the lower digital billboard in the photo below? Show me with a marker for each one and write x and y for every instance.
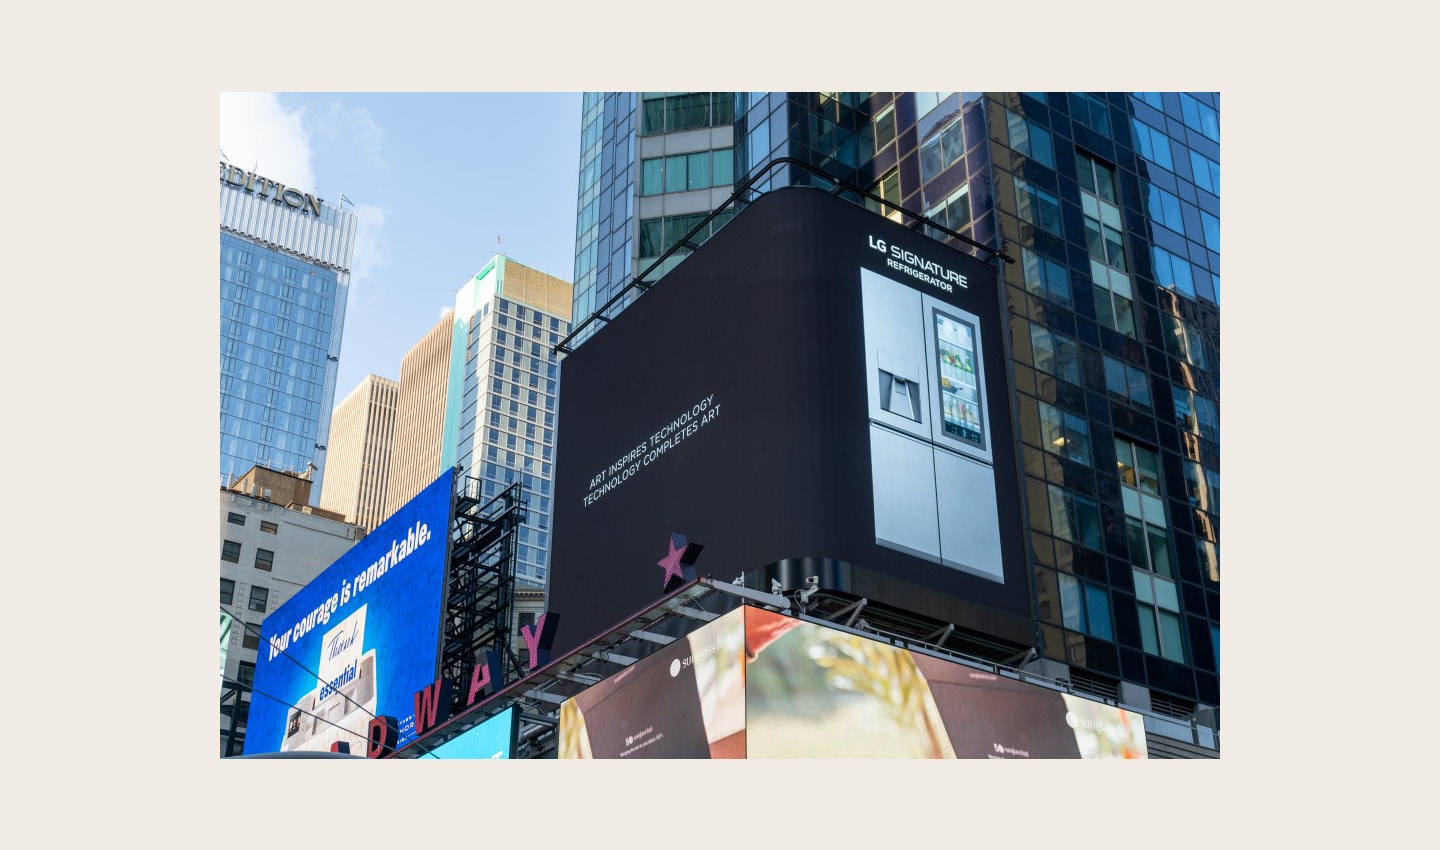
(814, 382)
(756, 684)
(493, 739)
(359, 639)
(684, 701)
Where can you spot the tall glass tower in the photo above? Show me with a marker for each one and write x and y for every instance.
(1108, 203)
(284, 276)
(502, 389)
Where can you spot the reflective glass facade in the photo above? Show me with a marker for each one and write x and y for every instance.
(1108, 204)
(277, 317)
(284, 278)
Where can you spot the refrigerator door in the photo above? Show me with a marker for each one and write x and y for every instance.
(969, 515)
(952, 353)
(897, 376)
(903, 471)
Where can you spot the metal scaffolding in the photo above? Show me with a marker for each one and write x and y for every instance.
(480, 585)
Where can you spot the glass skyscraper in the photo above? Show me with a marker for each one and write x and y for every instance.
(284, 276)
(1109, 206)
(502, 389)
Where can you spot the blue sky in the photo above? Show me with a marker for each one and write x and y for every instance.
(435, 179)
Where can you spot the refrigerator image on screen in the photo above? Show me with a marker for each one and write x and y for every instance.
(930, 444)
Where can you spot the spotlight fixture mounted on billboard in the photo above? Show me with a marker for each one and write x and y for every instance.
(815, 382)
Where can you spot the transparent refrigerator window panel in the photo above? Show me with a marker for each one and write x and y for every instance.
(959, 387)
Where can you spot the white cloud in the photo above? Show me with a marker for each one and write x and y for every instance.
(257, 133)
(372, 249)
(354, 128)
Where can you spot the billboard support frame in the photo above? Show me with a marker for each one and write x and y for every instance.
(480, 581)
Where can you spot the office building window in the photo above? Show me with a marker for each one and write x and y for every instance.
(1045, 277)
(246, 674)
(1198, 116)
(1183, 341)
(928, 100)
(888, 188)
(269, 527)
(1104, 239)
(953, 212)
(236, 519)
(1150, 97)
(1091, 111)
(264, 559)
(1158, 604)
(1074, 517)
(230, 552)
(673, 112)
(1164, 208)
(658, 235)
(249, 636)
(1152, 144)
(1149, 543)
(1206, 172)
(227, 592)
(1127, 383)
(1196, 414)
(1211, 226)
(1209, 555)
(1202, 487)
(1038, 207)
(942, 149)
(1139, 466)
(1065, 434)
(885, 127)
(1146, 524)
(1055, 354)
(259, 597)
(1173, 272)
(684, 172)
(1085, 607)
(1030, 139)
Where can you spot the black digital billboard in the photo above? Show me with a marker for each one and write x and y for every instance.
(815, 381)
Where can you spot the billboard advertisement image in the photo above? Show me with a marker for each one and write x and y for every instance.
(359, 639)
(493, 739)
(756, 684)
(814, 382)
(816, 692)
(684, 701)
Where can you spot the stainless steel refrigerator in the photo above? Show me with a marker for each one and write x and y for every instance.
(930, 441)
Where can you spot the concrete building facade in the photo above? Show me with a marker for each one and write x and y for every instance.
(272, 542)
(420, 415)
(361, 431)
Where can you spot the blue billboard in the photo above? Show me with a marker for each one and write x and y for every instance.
(359, 640)
(493, 739)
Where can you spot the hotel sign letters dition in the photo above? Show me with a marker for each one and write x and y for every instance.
(269, 189)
